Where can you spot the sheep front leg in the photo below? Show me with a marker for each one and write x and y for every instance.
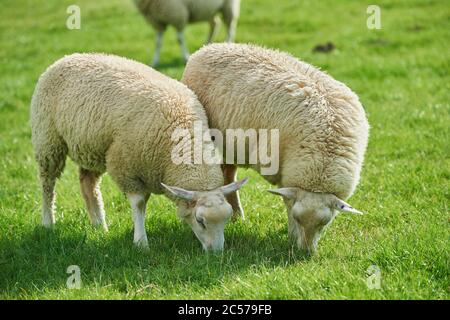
(230, 175)
(182, 42)
(138, 204)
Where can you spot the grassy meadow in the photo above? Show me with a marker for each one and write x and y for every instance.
(401, 74)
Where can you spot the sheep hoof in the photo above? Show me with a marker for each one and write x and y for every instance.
(100, 225)
(142, 244)
(48, 223)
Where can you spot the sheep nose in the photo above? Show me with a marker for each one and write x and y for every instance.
(214, 246)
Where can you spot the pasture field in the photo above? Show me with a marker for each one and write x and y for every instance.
(401, 74)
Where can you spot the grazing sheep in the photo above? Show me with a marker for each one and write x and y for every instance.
(113, 114)
(178, 13)
(322, 126)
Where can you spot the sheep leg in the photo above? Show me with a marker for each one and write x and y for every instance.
(159, 37)
(214, 24)
(90, 189)
(230, 175)
(48, 200)
(230, 13)
(51, 160)
(232, 30)
(138, 205)
(182, 42)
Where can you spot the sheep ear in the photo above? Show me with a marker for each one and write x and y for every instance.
(232, 187)
(343, 206)
(180, 193)
(290, 193)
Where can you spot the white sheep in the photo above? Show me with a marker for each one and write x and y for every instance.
(111, 114)
(179, 13)
(322, 126)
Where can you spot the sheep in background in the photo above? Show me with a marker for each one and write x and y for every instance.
(179, 13)
(323, 130)
(113, 114)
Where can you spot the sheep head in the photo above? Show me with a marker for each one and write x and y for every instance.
(309, 213)
(206, 212)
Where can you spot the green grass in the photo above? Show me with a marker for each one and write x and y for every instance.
(401, 74)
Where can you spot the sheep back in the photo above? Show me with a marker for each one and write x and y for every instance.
(117, 115)
(322, 125)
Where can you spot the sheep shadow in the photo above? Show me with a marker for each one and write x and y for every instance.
(38, 260)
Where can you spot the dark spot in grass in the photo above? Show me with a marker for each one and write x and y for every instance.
(416, 28)
(325, 48)
(378, 42)
(6, 105)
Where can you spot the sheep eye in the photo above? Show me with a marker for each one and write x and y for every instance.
(200, 222)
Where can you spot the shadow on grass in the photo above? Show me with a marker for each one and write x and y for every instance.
(38, 260)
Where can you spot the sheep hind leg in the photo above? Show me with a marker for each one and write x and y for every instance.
(51, 164)
(214, 25)
(232, 25)
(90, 189)
(230, 16)
(48, 200)
(230, 175)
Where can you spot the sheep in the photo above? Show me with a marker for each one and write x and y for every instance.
(323, 130)
(111, 114)
(178, 13)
